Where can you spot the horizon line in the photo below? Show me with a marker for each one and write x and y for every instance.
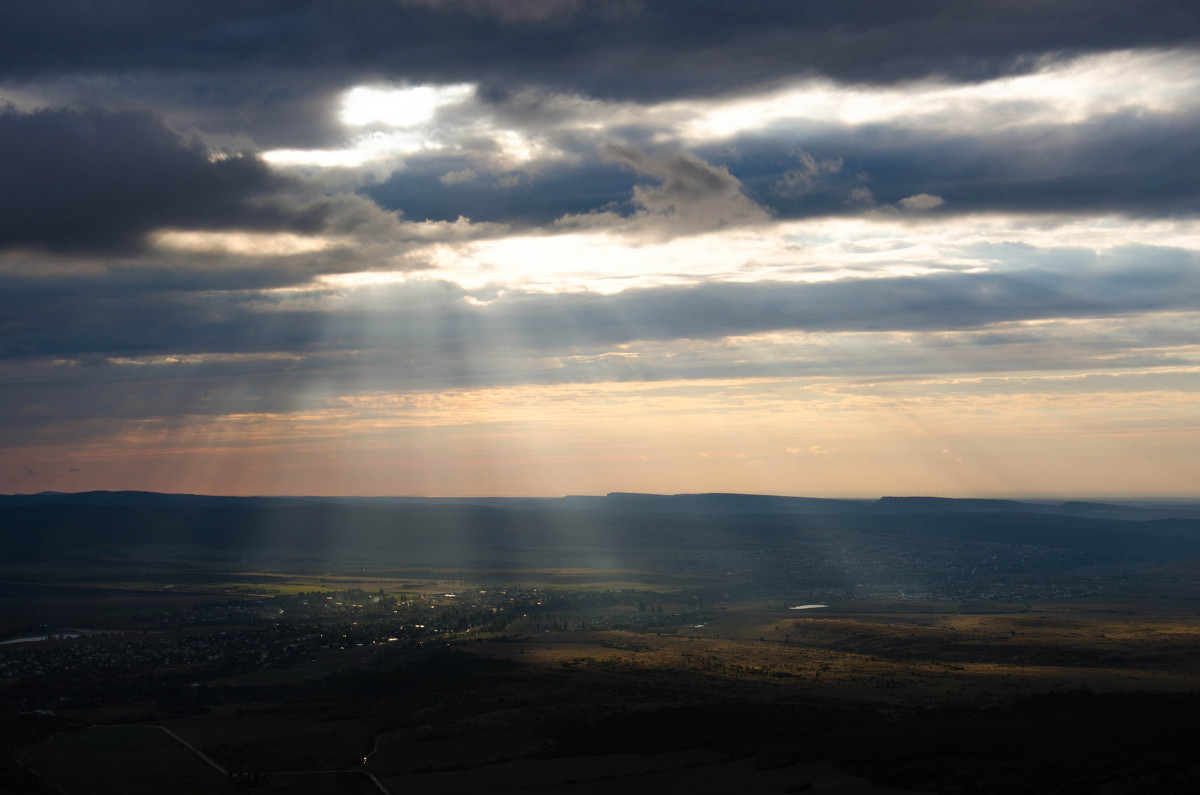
(1008, 496)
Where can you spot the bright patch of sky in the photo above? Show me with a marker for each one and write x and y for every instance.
(250, 244)
(414, 119)
(809, 251)
(399, 107)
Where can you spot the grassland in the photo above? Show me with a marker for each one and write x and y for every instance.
(722, 694)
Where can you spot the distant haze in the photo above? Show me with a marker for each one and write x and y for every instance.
(548, 247)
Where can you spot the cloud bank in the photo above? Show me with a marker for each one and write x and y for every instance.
(367, 237)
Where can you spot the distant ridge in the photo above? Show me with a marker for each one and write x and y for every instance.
(129, 498)
(724, 502)
(720, 502)
(952, 504)
(562, 531)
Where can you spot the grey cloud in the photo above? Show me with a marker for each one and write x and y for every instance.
(641, 50)
(425, 336)
(458, 177)
(269, 73)
(104, 325)
(809, 171)
(692, 197)
(948, 301)
(98, 180)
(921, 202)
(430, 319)
(1135, 163)
(510, 11)
(539, 198)
(132, 313)
(240, 110)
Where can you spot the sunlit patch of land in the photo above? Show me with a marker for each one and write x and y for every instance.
(893, 657)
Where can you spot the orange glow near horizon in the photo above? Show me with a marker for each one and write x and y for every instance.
(812, 437)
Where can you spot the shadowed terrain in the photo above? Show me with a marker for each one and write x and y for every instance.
(711, 643)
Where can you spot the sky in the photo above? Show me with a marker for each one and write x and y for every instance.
(842, 248)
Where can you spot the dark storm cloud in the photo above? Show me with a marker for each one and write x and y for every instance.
(78, 180)
(643, 50)
(273, 110)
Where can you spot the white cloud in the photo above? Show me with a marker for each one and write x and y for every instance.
(1062, 93)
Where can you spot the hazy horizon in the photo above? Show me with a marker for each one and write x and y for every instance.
(476, 247)
(1035, 497)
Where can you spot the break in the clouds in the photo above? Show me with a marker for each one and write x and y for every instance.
(569, 245)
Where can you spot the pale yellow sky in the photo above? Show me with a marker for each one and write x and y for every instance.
(816, 437)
